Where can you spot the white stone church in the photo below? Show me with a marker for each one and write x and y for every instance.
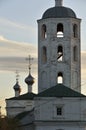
(59, 104)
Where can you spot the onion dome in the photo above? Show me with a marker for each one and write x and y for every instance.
(17, 87)
(59, 11)
(29, 80)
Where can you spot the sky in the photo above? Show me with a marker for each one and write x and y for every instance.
(18, 39)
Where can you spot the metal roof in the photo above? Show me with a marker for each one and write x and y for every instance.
(59, 12)
(27, 96)
(60, 91)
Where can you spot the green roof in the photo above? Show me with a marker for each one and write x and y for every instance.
(27, 96)
(60, 91)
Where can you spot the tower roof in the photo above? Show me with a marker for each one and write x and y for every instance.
(29, 80)
(59, 11)
(17, 87)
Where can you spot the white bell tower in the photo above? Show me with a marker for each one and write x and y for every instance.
(59, 59)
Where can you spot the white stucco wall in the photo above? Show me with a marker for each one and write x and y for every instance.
(14, 107)
(73, 114)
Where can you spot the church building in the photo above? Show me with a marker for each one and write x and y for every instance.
(59, 104)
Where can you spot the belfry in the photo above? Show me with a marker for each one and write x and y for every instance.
(59, 59)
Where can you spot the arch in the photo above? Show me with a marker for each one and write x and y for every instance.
(75, 30)
(44, 54)
(60, 78)
(60, 53)
(44, 31)
(60, 30)
(75, 53)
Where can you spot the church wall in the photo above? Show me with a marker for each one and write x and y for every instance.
(15, 107)
(73, 109)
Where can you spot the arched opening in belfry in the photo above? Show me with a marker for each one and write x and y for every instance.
(60, 78)
(60, 53)
(75, 30)
(60, 30)
(44, 31)
(75, 53)
(44, 55)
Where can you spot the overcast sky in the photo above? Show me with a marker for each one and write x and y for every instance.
(18, 39)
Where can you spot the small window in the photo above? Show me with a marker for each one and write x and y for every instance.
(75, 30)
(44, 31)
(59, 111)
(60, 53)
(60, 30)
(60, 78)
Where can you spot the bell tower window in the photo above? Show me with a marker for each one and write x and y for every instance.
(44, 31)
(60, 30)
(60, 78)
(44, 54)
(59, 53)
(75, 30)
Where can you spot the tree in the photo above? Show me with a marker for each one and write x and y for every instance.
(7, 123)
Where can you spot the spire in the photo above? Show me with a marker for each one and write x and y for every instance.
(17, 87)
(17, 76)
(29, 80)
(29, 59)
(58, 3)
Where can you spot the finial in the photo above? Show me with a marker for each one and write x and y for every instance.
(17, 75)
(58, 3)
(29, 59)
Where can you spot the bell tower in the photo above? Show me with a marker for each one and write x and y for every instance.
(59, 59)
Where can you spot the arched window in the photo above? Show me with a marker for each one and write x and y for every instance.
(75, 53)
(60, 30)
(44, 31)
(44, 55)
(60, 78)
(75, 30)
(59, 53)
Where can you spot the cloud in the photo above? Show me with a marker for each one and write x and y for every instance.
(18, 31)
(10, 23)
(13, 54)
(14, 48)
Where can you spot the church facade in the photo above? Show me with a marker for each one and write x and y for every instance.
(59, 104)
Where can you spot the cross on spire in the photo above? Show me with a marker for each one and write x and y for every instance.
(17, 75)
(29, 59)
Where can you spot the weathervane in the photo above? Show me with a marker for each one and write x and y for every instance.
(29, 59)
